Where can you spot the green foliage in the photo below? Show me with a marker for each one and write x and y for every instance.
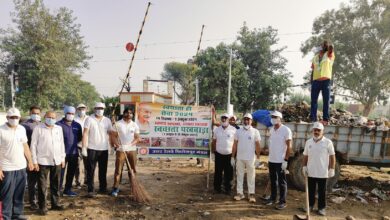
(360, 33)
(51, 54)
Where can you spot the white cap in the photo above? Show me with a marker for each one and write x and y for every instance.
(81, 105)
(277, 114)
(13, 112)
(100, 105)
(318, 125)
(233, 116)
(225, 115)
(248, 115)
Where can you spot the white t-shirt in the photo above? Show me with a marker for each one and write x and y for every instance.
(224, 139)
(126, 134)
(318, 157)
(246, 147)
(277, 143)
(11, 148)
(81, 121)
(98, 132)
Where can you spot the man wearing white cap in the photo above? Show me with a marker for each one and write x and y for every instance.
(14, 152)
(246, 149)
(279, 152)
(222, 145)
(72, 136)
(81, 116)
(318, 164)
(232, 121)
(97, 130)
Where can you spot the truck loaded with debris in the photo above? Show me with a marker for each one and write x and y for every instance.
(356, 142)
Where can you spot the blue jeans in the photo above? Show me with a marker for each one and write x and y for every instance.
(12, 192)
(316, 88)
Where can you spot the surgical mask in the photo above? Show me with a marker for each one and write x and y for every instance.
(13, 122)
(275, 121)
(35, 117)
(69, 117)
(99, 112)
(225, 123)
(247, 127)
(50, 121)
(82, 113)
(316, 138)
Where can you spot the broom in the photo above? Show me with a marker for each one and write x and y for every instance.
(137, 189)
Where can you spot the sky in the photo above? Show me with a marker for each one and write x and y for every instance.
(172, 31)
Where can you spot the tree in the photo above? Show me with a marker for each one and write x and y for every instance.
(360, 33)
(50, 53)
(184, 75)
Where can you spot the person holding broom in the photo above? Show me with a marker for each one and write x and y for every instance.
(125, 136)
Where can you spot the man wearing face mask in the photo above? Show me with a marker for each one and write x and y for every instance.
(321, 75)
(222, 145)
(32, 176)
(97, 130)
(232, 122)
(246, 148)
(14, 152)
(48, 154)
(125, 136)
(318, 164)
(279, 152)
(72, 136)
(81, 116)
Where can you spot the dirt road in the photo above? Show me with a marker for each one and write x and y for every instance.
(179, 191)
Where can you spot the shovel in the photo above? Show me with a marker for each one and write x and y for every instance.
(307, 216)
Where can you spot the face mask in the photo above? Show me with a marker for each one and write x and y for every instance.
(275, 121)
(69, 117)
(82, 113)
(247, 127)
(316, 138)
(50, 121)
(99, 112)
(35, 117)
(225, 123)
(13, 122)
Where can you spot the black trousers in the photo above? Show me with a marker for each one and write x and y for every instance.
(71, 165)
(277, 176)
(312, 184)
(32, 181)
(223, 167)
(55, 175)
(77, 174)
(100, 157)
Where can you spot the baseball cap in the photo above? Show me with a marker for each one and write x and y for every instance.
(226, 115)
(277, 114)
(233, 116)
(248, 115)
(318, 125)
(100, 105)
(81, 105)
(13, 112)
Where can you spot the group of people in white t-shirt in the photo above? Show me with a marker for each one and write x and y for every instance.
(48, 147)
(239, 148)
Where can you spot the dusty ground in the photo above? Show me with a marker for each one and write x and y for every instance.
(179, 191)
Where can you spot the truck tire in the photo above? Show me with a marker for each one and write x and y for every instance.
(298, 179)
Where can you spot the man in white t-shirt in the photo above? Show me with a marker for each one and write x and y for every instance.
(81, 116)
(246, 149)
(96, 136)
(222, 145)
(14, 151)
(125, 137)
(318, 164)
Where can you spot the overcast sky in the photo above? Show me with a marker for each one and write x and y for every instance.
(173, 28)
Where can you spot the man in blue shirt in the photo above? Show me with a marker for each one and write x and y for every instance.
(72, 135)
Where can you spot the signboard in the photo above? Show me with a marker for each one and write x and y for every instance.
(168, 130)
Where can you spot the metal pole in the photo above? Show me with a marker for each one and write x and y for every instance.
(230, 79)
(197, 92)
(11, 77)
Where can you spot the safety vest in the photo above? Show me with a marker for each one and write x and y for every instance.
(323, 68)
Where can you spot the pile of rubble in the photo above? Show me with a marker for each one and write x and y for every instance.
(300, 112)
(356, 194)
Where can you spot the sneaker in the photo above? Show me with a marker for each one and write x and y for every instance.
(42, 211)
(252, 198)
(303, 209)
(102, 191)
(70, 193)
(78, 186)
(20, 217)
(115, 192)
(34, 206)
(238, 197)
(269, 202)
(91, 195)
(322, 212)
(57, 207)
(281, 206)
